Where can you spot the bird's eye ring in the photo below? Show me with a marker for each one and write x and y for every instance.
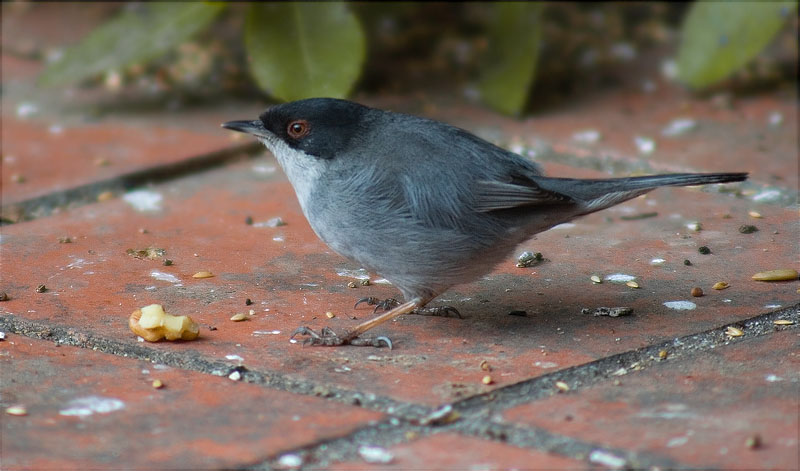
(298, 129)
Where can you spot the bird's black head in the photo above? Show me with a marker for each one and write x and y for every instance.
(322, 127)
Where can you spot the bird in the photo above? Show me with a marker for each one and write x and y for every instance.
(424, 204)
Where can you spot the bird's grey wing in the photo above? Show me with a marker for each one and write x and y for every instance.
(495, 195)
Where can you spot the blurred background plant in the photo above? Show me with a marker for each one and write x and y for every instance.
(505, 54)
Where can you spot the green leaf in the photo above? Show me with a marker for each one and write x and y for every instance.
(720, 37)
(300, 50)
(133, 36)
(513, 51)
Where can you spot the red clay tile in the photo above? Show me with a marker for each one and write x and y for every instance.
(292, 277)
(91, 410)
(452, 451)
(701, 412)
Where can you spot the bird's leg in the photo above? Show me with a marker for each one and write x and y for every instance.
(329, 338)
(388, 303)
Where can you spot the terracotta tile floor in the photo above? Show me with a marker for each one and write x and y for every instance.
(661, 388)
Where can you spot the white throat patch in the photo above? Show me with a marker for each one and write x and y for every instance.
(303, 170)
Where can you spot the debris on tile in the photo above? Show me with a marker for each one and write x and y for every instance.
(264, 169)
(620, 278)
(694, 226)
(766, 196)
(168, 277)
(157, 384)
(644, 145)
(290, 461)
(266, 332)
(17, 178)
(775, 118)
(485, 365)
(248, 302)
(529, 259)
(783, 322)
(687, 262)
(65, 240)
(150, 253)
(662, 354)
(753, 441)
(595, 279)
(784, 274)
(2, 336)
(632, 284)
(330, 315)
(608, 311)
(4, 296)
(607, 459)
(203, 274)
(144, 200)
(679, 126)
(441, 416)
(18, 410)
(732, 331)
(748, 229)
(41, 289)
(657, 261)
(364, 282)
(518, 313)
(721, 285)
(562, 386)
(754, 214)
(636, 217)
(236, 375)
(89, 405)
(239, 317)
(375, 454)
(487, 380)
(352, 284)
(101, 162)
(587, 136)
(153, 324)
(234, 357)
(680, 305)
(248, 220)
(704, 250)
(272, 222)
(168, 262)
(360, 274)
(26, 109)
(697, 291)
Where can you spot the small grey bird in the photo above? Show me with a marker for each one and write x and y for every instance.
(424, 204)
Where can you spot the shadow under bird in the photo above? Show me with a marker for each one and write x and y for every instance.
(424, 204)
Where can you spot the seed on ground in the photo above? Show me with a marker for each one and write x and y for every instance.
(721, 285)
(776, 275)
(732, 331)
(697, 291)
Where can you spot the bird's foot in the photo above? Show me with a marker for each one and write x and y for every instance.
(389, 303)
(328, 338)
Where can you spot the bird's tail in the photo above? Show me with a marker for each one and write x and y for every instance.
(603, 193)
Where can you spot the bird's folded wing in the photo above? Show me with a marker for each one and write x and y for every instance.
(495, 195)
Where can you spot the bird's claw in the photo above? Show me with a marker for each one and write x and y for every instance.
(385, 304)
(441, 311)
(328, 338)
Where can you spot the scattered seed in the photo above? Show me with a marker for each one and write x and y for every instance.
(65, 240)
(636, 217)
(365, 282)
(596, 279)
(485, 366)
(487, 380)
(143, 230)
(732, 331)
(753, 441)
(168, 262)
(776, 275)
(562, 386)
(755, 214)
(248, 220)
(105, 196)
(529, 259)
(783, 322)
(17, 410)
(17, 178)
(704, 250)
(748, 229)
(351, 284)
(662, 354)
(721, 285)
(411, 435)
(41, 289)
(687, 262)
(235, 376)
(330, 315)
(695, 226)
(150, 253)
(248, 302)
(697, 291)
(3, 296)
(203, 274)
(441, 416)
(239, 317)
(101, 162)
(632, 284)
(157, 384)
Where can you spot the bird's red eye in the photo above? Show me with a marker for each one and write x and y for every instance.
(298, 129)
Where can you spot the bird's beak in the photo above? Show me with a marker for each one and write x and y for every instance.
(255, 128)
